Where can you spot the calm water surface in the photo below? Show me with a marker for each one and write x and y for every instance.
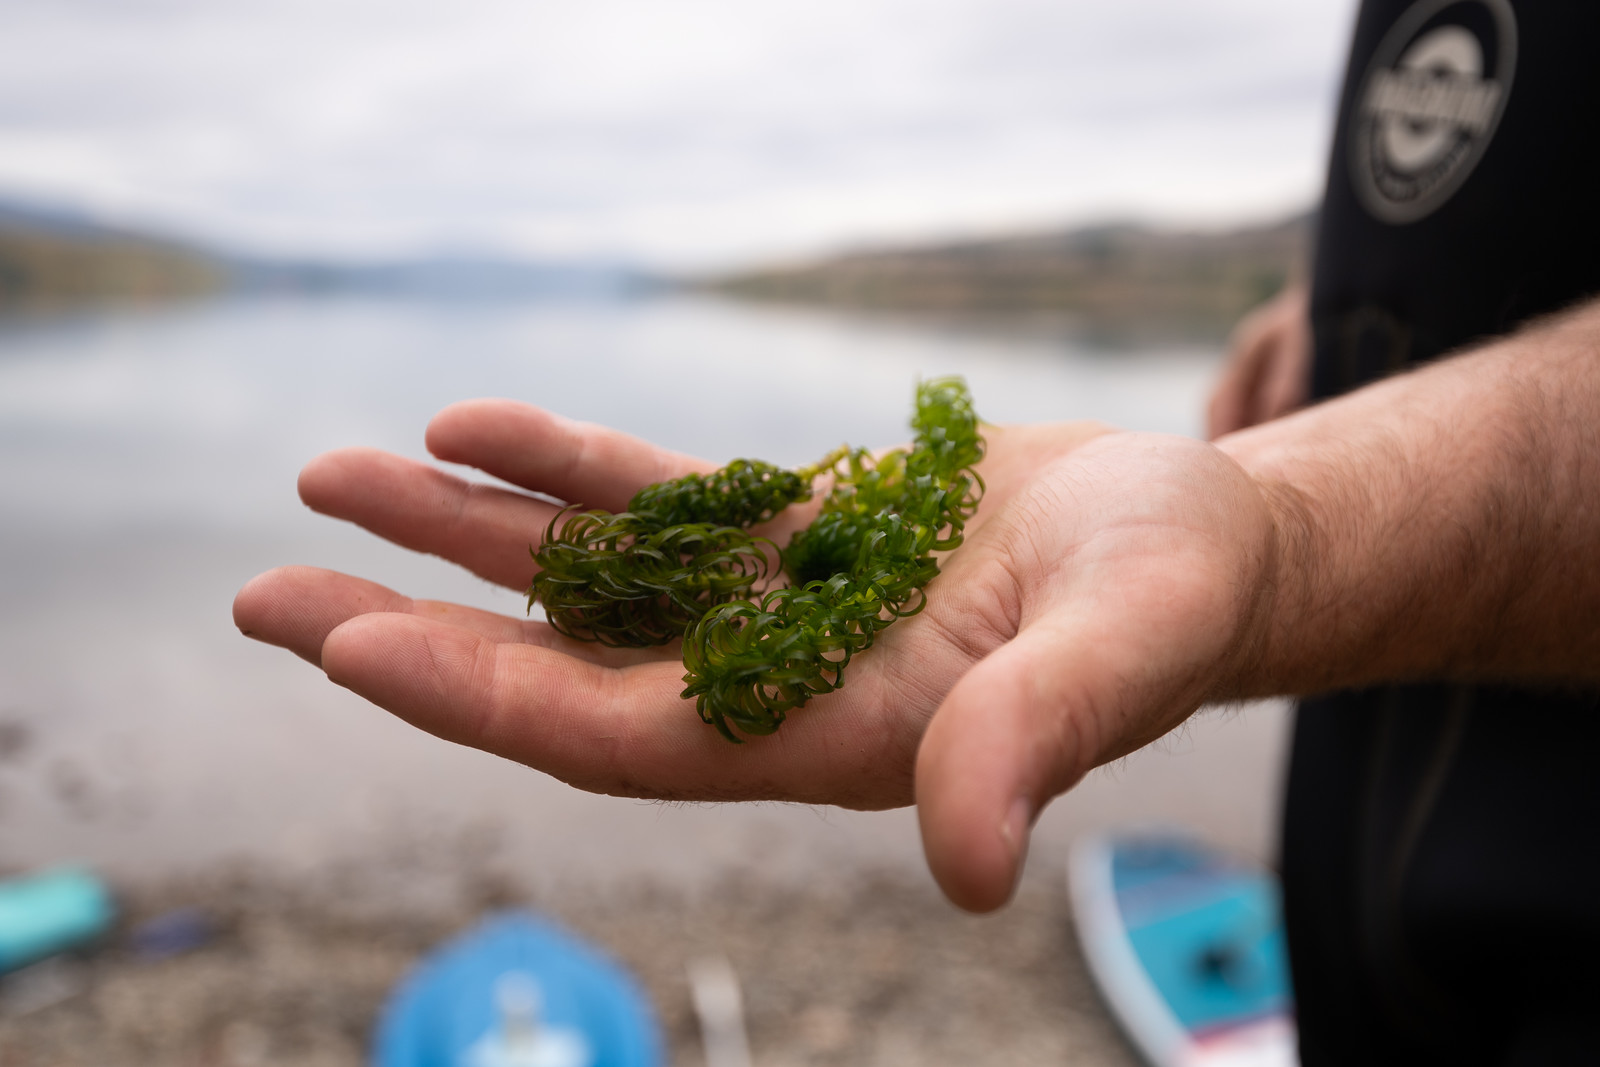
(147, 467)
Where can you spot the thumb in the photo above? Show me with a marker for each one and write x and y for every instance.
(1020, 727)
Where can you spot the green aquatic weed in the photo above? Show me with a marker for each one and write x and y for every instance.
(645, 575)
(682, 561)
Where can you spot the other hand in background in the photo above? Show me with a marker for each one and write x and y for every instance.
(1268, 373)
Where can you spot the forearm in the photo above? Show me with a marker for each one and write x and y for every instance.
(1441, 524)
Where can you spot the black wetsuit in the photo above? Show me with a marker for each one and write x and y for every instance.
(1442, 842)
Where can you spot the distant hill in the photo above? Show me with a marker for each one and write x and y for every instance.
(459, 277)
(1114, 273)
(51, 256)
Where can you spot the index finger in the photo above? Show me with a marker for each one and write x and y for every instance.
(485, 528)
(578, 462)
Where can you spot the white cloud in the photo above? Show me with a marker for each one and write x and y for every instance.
(687, 132)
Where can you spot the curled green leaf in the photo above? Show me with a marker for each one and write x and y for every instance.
(621, 581)
(864, 562)
(682, 561)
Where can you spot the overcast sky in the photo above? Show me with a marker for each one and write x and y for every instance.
(684, 133)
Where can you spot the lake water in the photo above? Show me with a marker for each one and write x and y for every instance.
(147, 470)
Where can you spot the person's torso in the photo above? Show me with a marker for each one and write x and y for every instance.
(1462, 190)
(1440, 853)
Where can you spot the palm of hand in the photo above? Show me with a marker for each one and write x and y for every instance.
(1102, 556)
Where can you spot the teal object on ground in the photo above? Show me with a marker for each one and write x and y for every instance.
(1210, 939)
(1187, 944)
(518, 991)
(44, 914)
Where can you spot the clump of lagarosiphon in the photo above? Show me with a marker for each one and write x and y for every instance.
(681, 561)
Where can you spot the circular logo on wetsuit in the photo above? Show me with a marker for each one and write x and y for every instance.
(1429, 103)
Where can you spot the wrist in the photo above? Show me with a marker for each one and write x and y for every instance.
(1431, 526)
(1271, 663)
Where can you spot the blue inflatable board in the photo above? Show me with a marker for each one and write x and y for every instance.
(518, 991)
(1186, 943)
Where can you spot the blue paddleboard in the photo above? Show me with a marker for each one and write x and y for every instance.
(518, 991)
(1187, 945)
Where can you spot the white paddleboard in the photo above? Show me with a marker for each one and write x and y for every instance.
(1187, 945)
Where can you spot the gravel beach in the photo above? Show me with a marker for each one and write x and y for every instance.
(864, 970)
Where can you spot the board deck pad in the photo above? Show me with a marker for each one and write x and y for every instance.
(1187, 946)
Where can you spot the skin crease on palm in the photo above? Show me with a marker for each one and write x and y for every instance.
(1031, 664)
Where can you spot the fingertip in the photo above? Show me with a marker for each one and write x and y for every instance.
(967, 794)
(372, 645)
(977, 865)
(296, 607)
(469, 431)
(443, 434)
(252, 600)
(266, 609)
(1010, 736)
(322, 480)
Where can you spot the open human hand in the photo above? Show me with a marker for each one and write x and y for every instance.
(1109, 584)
